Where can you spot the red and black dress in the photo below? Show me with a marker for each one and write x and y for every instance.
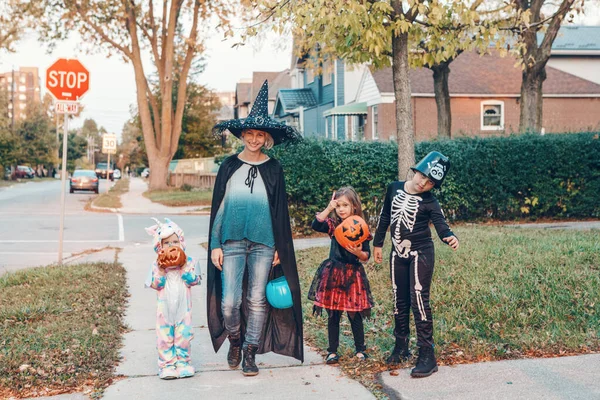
(340, 284)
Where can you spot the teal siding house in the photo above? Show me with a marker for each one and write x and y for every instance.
(318, 104)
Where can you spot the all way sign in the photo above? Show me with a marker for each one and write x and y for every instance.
(65, 107)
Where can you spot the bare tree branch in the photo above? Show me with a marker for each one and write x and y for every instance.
(182, 90)
(82, 13)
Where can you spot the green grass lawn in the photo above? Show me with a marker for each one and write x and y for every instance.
(178, 197)
(112, 198)
(60, 328)
(506, 293)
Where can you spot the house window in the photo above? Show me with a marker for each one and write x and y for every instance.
(492, 115)
(375, 122)
(327, 73)
(310, 75)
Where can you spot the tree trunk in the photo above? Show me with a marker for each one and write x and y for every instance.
(404, 123)
(159, 171)
(532, 100)
(441, 73)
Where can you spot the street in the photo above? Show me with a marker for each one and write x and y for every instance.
(30, 215)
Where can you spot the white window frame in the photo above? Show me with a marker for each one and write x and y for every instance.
(310, 76)
(327, 73)
(492, 103)
(375, 121)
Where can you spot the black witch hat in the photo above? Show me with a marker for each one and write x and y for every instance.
(259, 119)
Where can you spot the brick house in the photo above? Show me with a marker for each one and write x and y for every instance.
(485, 92)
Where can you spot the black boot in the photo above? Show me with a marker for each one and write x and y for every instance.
(249, 367)
(400, 353)
(234, 356)
(426, 364)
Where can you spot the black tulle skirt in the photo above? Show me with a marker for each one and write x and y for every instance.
(343, 287)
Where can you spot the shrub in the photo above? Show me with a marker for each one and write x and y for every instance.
(531, 176)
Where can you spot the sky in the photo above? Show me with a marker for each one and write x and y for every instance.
(112, 84)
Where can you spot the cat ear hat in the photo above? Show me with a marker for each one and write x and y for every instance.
(161, 231)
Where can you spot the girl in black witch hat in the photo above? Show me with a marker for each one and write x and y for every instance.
(408, 208)
(249, 235)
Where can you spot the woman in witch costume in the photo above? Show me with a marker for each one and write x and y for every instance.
(249, 235)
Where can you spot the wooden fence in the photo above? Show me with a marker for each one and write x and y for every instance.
(202, 181)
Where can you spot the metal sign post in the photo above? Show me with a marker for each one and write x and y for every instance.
(68, 80)
(63, 181)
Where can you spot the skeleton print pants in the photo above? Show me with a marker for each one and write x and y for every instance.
(411, 279)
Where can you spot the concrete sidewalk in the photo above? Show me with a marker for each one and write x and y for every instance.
(280, 377)
(568, 378)
(134, 202)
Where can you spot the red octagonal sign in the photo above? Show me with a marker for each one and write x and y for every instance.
(67, 79)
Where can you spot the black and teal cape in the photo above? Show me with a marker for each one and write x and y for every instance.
(282, 332)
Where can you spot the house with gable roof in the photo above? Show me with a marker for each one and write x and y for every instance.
(576, 50)
(323, 105)
(484, 93)
(246, 90)
(346, 103)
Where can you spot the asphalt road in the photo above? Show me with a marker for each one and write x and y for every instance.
(30, 221)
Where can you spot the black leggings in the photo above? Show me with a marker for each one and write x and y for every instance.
(333, 329)
(411, 280)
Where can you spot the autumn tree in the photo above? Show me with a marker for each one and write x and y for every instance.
(381, 33)
(136, 30)
(132, 146)
(199, 117)
(14, 21)
(34, 136)
(450, 37)
(538, 27)
(7, 140)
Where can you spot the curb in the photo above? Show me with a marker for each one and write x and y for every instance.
(103, 209)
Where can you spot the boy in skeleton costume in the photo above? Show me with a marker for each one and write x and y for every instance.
(408, 208)
(174, 302)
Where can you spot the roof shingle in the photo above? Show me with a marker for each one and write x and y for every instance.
(490, 74)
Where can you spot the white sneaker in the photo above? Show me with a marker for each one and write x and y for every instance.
(185, 371)
(168, 373)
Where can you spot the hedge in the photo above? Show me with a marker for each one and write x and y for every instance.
(520, 176)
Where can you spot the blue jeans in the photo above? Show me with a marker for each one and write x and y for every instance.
(258, 258)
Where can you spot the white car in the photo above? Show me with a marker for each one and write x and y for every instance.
(145, 173)
(117, 174)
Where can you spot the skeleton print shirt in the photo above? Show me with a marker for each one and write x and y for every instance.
(407, 216)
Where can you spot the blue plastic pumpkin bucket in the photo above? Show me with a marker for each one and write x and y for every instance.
(279, 294)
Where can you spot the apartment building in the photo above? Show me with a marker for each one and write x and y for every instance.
(21, 86)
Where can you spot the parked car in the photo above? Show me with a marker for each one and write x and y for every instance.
(23, 171)
(117, 174)
(103, 170)
(145, 173)
(83, 179)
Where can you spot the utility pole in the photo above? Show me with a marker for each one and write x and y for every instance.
(12, 100)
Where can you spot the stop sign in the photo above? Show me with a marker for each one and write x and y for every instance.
(67, 79)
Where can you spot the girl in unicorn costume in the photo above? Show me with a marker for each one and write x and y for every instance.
(174, 303)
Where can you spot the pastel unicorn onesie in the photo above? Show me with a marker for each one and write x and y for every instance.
(174, 306)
